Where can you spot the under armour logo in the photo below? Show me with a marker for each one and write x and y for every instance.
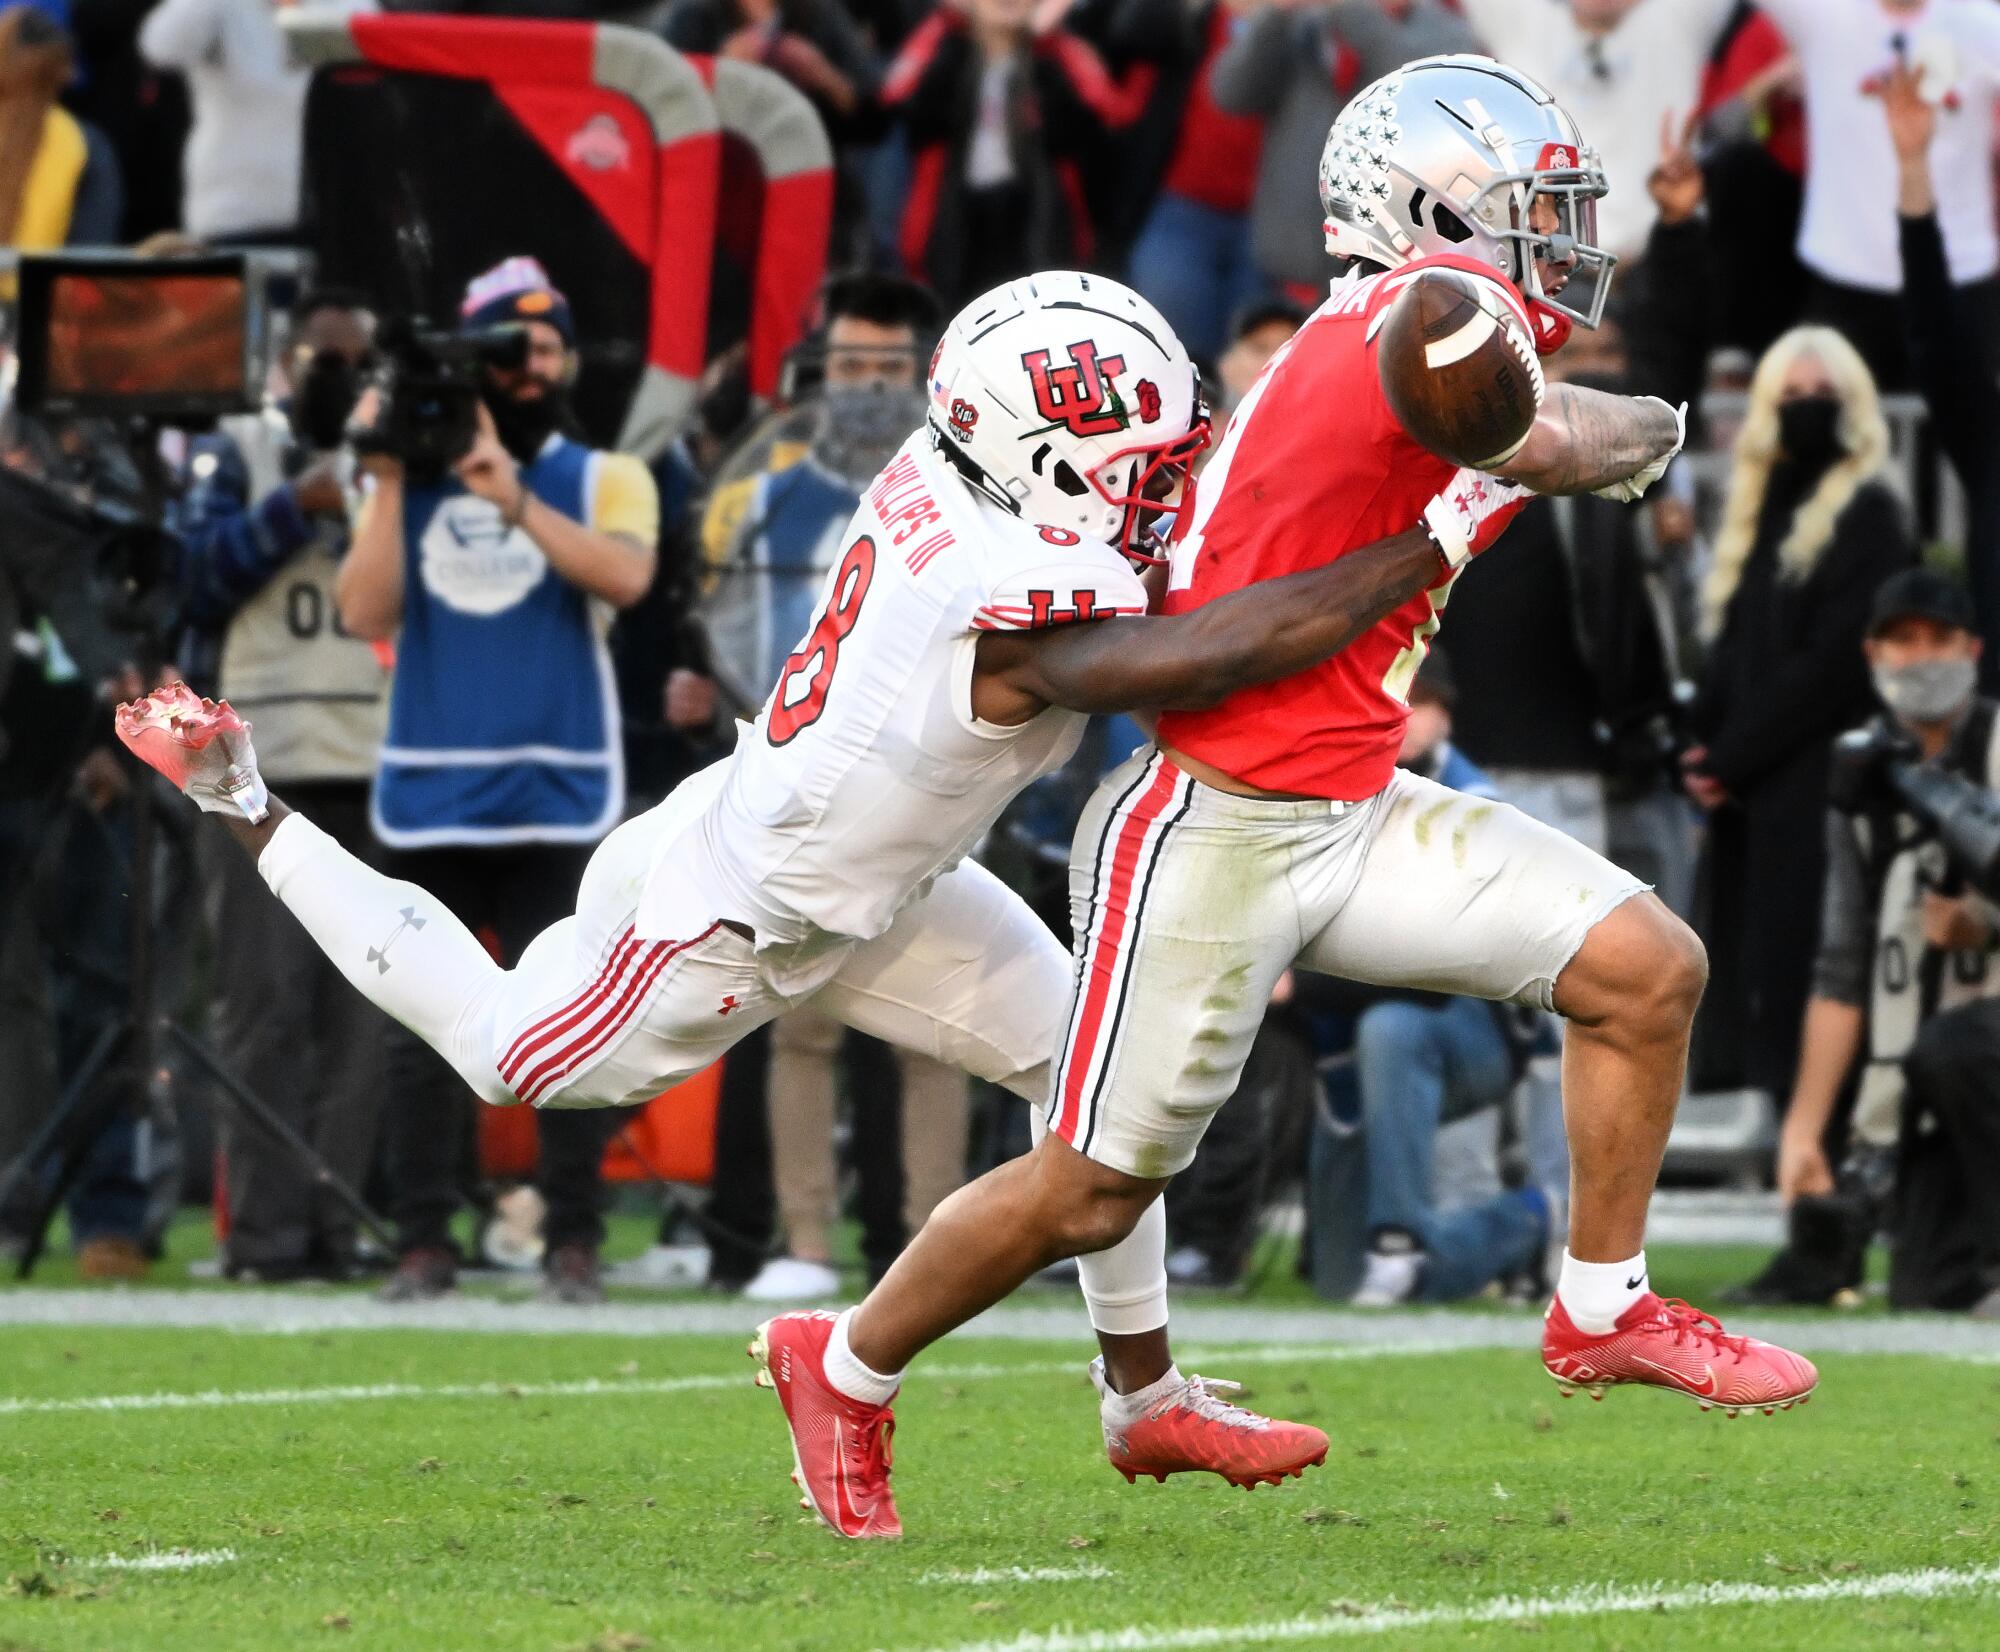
(728, 1003)
(379, 955)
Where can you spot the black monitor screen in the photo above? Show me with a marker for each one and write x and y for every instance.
(130, 336)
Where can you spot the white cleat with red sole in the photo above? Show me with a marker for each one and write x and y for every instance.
(202, 746)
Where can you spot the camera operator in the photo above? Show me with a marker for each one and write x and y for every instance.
(264, 526)
(502, 766)
(1904, 979)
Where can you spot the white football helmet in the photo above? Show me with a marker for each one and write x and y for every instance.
(1447, 154)
(1067, 400)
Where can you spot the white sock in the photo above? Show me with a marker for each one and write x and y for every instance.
(1124, 1407)
(850, 1376)
(1595, 1294)
(438, 979)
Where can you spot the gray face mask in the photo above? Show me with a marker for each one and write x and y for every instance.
(1929, 691)
(861, 426)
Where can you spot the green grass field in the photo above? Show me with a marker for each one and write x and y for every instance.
(500, 1491)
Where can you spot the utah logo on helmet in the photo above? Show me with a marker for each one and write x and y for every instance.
(1090, 412)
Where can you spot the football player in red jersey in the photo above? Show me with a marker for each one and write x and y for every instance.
(1273, 828)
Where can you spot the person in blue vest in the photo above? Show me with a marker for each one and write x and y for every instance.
(502, 765)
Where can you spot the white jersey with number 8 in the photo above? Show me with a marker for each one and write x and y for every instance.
(867, 775)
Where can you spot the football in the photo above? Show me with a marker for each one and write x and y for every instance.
(1459, 369)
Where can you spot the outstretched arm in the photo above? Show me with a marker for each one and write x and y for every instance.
(1254, 635)
(1584, 440)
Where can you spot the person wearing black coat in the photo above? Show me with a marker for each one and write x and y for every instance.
(1809, 531)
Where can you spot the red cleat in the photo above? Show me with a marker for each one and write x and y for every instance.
(1663, 1343)
(840, 1446)
(1195, 1429)
(202, 746)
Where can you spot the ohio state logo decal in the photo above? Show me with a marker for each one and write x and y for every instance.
(600, 145)
(1078, 395)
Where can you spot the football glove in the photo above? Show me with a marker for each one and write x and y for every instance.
(1639, 481)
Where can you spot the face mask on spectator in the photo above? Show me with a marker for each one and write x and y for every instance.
(863, 424)
(321, 400)
(1926, 691)
(1809, 429)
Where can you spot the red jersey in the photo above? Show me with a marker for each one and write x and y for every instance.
(1313, 466)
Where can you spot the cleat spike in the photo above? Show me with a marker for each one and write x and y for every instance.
(763, 1379)
(1706, 1406)
(1734, 1412)
(1597, 1393)
(1159, 1477)
(1131, 1479)
(1770, 1410)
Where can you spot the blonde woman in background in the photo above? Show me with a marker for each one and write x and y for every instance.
(1810, 528)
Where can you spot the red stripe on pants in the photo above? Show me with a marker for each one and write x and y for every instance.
(566, 1015)
(1103, 957)
(620, 1016)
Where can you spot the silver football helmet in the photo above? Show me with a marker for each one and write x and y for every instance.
(1448, 154)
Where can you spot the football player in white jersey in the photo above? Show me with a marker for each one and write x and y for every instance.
(984, 607)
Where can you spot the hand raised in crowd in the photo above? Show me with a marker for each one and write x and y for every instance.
(1676, 183)
(318, 488)
(1912, 117)
(1955, 923)
(488, 469)
(1803, 1170)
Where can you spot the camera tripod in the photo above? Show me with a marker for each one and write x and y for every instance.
(122, 1070)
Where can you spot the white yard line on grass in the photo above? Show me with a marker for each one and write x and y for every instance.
(175, 1560)
(268, 1311)
(1596, 1600)
(1020, 1574)
(595, 1387)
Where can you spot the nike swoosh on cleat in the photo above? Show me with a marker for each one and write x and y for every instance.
(850, 1519)
(1707, 1387)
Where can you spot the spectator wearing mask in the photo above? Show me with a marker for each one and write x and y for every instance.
(1809, 531)
(59, 180)
(1294, 64)
(1956, 383)
(768, 541)
(1848, 237)
(1904, 983)
(240, 169)
(1193, 256)
(502, 766)
(998, 117)
(264, 526)
(1621, 68)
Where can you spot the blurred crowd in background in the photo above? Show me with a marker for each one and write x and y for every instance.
(1803, 203)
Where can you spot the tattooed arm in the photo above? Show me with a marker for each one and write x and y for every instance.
(1254, 635)
(1584, 440)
